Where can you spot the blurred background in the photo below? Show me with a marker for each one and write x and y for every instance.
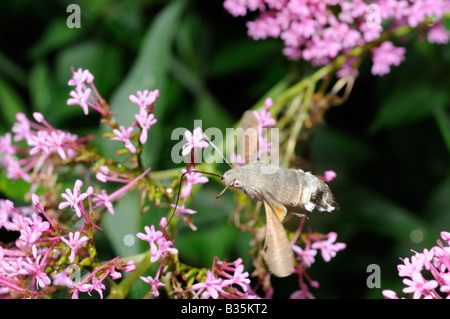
(387, 143)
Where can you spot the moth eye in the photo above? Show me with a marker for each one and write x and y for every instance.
(237, 184)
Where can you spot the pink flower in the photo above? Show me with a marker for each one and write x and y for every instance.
(103, 200)
(38, 142)
(264, 118)
(97, 285)
(145, 98)
(179, 210)
(437, 262)
(385, 56)
(74, 243)
(80, 76)
(78, 286)
(302, 293)
(328, 247)
(80, 97)
(445, 235)
(438, 34)
(418, 285)
(155, 283)
(35, 268)
(123, 134)
(236, 7)
(192, 178)
(21, 128)
(212, 284)
(14, 170)
(56, 140)
(164, 247)
(319, 31)
(73, 199)
(239, 278)
(130, 266)
(329, 176)
(33, 229)
(389, 294)
(151, 235)
(410, 267)
(194, 140)
(305, 255)
(145, 121)
(159, 245)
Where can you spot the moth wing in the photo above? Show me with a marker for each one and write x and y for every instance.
(249, 139)
(278, 209)
(278, 254)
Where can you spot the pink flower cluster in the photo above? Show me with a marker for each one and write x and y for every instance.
(24, 266)
(160, 246)
(195, 140)
(41, 141)
(221, 281)
(144, 119)
(319, 31)
(314, 242)
(87, 98)
(47, 251)
(82, 95)
(435, 284)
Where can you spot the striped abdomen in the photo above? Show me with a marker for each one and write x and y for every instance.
(289, 187)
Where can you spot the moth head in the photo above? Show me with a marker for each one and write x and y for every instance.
(230, 179)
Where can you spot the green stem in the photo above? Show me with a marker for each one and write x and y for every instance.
(295, 131)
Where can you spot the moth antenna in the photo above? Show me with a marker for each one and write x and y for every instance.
(217, 149)
(179, 189)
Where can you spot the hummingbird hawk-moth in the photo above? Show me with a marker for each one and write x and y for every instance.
(277, 188)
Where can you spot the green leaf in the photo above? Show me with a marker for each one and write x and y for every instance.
(122, 227)
(241, 55)
(10, 69)
(443, 122)
(408, 104)
(373, 212)
(13, 189)
(10, 103)
(102, 59)
(40, 84)
(446, 22)
(436, 207)
(149, 72)
(55, 36)
(207, 108)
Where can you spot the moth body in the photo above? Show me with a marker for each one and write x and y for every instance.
(288, 187)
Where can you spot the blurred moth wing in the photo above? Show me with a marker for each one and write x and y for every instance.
(249, 138)
(278, 254)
